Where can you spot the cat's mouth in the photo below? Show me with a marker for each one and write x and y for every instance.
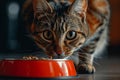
(58, 57)
(46, 56)
(62, 55)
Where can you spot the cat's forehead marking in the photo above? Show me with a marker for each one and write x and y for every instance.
(59, 25)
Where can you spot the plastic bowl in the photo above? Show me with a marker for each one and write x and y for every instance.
(37, 68)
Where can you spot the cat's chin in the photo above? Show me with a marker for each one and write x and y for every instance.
(60, 57)
(57, 57)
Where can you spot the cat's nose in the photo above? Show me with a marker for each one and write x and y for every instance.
(58, 49)
(59, 52)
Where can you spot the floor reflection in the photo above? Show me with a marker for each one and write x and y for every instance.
(99, 77)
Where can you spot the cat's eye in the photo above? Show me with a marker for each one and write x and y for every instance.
(47, 34)
(71, 35)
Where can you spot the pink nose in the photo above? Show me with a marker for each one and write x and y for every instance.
(59, 52)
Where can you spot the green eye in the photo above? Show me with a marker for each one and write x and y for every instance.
(71, 35)
(47, 35)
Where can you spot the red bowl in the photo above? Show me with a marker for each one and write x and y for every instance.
(37, 68)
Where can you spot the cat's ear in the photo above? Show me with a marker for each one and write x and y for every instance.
(41, 6)
(78, 6)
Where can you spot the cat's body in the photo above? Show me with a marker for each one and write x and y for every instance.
(76, 30)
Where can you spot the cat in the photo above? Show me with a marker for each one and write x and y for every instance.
(69, 29)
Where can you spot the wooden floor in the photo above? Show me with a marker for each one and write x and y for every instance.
(108, 69)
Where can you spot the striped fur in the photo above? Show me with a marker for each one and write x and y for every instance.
(71, 29)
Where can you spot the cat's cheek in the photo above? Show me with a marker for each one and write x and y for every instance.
(69, 53)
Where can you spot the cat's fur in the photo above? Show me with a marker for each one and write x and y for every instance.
(71, 29)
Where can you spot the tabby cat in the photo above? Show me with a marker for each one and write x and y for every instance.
(69, 29)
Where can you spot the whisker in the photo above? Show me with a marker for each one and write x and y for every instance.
(81, 56)
(87, 58)
(96, 63)
(81, 50)
(96, 57)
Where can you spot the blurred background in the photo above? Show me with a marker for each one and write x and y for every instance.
(114, 48)
(13, 35)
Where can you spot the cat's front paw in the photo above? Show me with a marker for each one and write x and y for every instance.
(85, 69)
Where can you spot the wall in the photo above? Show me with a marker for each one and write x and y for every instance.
(115, 22)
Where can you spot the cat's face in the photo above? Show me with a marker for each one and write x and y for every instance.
(59, 35)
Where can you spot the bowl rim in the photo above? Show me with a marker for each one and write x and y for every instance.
(35, 60)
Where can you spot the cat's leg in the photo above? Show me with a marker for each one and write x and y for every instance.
(85, 59)
(85, 65)
(84, 56)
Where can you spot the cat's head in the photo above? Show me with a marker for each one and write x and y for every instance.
(59, 26)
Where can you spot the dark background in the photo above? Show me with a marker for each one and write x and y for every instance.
(114, 47)
(13, 35)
